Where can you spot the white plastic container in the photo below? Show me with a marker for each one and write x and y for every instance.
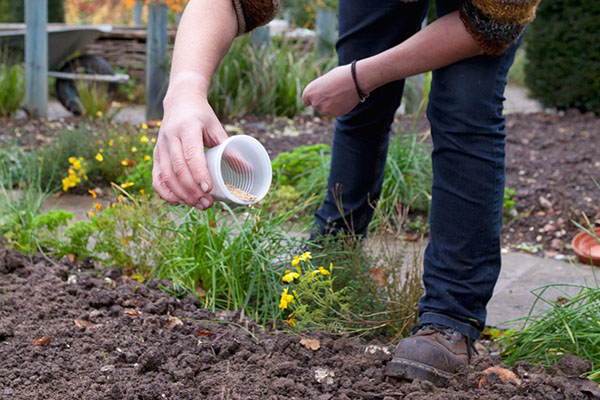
(242, 162)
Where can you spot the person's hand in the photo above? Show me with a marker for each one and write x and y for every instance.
(333, 93)
(179, 174)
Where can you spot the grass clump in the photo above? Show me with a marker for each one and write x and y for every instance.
(12, 88)
(268, 80)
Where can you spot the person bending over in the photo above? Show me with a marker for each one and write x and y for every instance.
(469, 48)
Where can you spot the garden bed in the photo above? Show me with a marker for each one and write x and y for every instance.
(550, 162)
(73, 331)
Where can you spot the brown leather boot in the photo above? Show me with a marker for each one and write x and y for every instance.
(433, 352)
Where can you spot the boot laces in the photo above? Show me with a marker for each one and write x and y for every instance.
(450, 334)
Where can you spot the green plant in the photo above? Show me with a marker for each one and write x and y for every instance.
(266, 80)
(304, 12)
(563, 54)
(508, 205)
(292, 168)
(12, 88)
(95, 100)
(569, 326)
(516, 73)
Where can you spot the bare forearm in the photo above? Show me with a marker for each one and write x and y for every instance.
(205, 33)
(442, 43)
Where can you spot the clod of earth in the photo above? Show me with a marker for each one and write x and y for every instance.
(240, 194)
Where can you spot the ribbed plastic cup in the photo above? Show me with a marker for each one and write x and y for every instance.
(243, 163)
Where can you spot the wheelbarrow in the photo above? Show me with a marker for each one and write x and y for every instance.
(65, 63)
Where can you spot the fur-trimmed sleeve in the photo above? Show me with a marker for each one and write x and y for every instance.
(254, 13)
(496, 24)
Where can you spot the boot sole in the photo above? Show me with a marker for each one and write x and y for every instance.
(412, 370)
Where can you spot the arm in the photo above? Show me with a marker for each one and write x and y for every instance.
(442, 43)
(179, 174)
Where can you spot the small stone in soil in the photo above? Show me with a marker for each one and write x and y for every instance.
(240, 194)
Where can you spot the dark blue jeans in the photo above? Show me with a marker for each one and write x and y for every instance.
(462, 260)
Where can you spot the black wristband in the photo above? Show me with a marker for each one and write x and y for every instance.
(361, 95)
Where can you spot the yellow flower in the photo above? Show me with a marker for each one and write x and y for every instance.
(314, 272)
(99, 157)
(124, 163)
(126, 185)
(120, 198)
(295, 261)
(144, 126)
(142, 191)
(290, 276)
(146, 157)
(285, 299)
(98, 206)
(93, 193)
(98, 113)
(323, 271)
(158, 123)
(77, 165)
(133, 149)
(305, 256)
(111, 142)
(144, 139)
(291, 321)
(91, 214)
(72, 160)
(153, 140)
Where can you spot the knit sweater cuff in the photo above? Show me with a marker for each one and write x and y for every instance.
(254, 13)
(496, 24)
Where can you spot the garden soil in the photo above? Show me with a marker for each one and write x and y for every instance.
(74, 332)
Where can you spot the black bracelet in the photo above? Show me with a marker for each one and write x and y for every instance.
(361, 95)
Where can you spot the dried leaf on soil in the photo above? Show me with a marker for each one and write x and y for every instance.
(71, 257)
(173, 322)
(41, 341)
(131, 312)
(503, 373)
(82, 324)
(204, 333)
(377, 276)
(311, 344)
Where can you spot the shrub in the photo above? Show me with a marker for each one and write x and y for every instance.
(563, 53)
(12, 88)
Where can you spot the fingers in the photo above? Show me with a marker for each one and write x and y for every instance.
(158, 184)
(180, 181)
(195, 161)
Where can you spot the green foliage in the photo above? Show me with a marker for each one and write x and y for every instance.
(516, 73)
(509, 203)
(14, 11)
(12, 88)
(563, 53)
(110, 153)
(292, 168)
(303, 13)
(94, 100)
(267, 80)
(569, 326)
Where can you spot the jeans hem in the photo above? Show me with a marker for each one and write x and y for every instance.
(466, 329)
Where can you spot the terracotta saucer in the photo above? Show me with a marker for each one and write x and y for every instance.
(587, 247)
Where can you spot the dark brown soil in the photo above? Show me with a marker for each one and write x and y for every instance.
(71, 332)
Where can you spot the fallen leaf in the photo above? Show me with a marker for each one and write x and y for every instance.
(377, 276)
(131, 312)
(504, 374)
(71, 257)
(41, 341)
(204, 333)
(173, 322)
(311, 344)
(82, 324)
(410, 237)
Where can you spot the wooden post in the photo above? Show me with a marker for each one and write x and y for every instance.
(36, 57)
(261, 36)
(138, 9)
(156, 60)
(326, 29)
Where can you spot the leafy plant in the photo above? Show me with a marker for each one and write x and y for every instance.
(508, 205)
(95, 100)
(12, 88)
